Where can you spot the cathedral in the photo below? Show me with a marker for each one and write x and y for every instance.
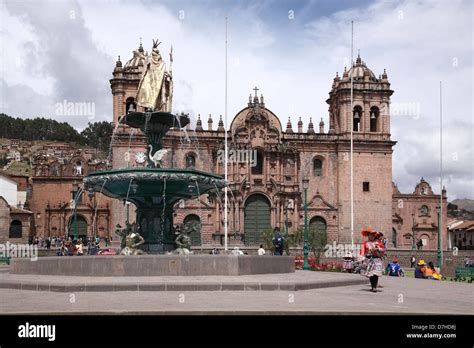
(270, 168)
(266, 183)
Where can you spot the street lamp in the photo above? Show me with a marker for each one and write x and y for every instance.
(286, 217)
(413, 232)
(305, 246)
(438, 210)
(74, 197)
(90, 192)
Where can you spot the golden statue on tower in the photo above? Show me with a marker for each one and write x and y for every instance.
(155, 91)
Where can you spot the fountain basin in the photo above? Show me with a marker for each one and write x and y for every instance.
(154, 192)
(153, 184)
(154, 265)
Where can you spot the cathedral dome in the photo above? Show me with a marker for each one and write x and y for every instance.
(360, 69)
(138, 59)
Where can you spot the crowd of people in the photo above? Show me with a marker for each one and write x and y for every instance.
(69, 246)
(370, 263)
(424, 271)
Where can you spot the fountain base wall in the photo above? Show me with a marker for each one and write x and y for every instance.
(154, 265)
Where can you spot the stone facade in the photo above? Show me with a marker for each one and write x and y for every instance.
(267, 164)
(55, 181)
(15, 223)
(415, 215)
(284, 158)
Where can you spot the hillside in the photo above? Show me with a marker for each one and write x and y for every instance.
(466, 204)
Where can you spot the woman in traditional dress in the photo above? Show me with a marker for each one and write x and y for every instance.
(372, 250)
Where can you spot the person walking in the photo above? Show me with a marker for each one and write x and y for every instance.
(261, 251)
(419, 244)
(348, 262)
(79, 248)
(372, 250)
(278, 242)
(467, 262)
(412, 262)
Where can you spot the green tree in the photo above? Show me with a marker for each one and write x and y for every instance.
(267, 238)
(98, 135)
(317, 241)
(39, 128)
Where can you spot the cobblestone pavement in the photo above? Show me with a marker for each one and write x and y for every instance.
(398, 295)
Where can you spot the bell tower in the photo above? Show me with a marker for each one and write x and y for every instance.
(125, 81)
(364, 175)
(370, 114)
(128, 145)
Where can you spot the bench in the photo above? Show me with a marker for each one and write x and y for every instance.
(5, 259)
(464, 274)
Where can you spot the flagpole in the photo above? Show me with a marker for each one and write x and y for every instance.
(440, 247)
(225, 144)
(352, 140)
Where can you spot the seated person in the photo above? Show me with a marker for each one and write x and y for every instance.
(420, 270)
(394, 268)
(431, 272)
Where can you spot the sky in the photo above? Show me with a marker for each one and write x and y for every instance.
(54, 52)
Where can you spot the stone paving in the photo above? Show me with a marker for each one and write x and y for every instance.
(298, 280)
(399, 295)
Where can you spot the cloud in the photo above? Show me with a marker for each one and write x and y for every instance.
(292, 61)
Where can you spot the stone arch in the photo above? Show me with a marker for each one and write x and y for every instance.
(130, 105)
(425, 238)
(190, 160)
(81, 224)
(257, 218)
(16, 229)
(192, 226)
(357, 114)
(259, 167)
(319, 224)
(374, 117)
(319, 165)
(394, 237)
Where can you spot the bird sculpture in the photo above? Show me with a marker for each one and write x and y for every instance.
(157, 156)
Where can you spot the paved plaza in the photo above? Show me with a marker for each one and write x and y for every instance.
(398, 295)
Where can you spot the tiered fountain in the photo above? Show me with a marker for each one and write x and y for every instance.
(154, 190)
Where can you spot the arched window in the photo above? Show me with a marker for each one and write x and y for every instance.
(318, 227)
(424, 210)
(258, 167)
(192, 227)
(374, 116)
(78, 227)
(78, 168)
(15, 229)
(317, 167)
(357, 114)
(190, 160)
(54, 170)
(289, 167)
(131, 106)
